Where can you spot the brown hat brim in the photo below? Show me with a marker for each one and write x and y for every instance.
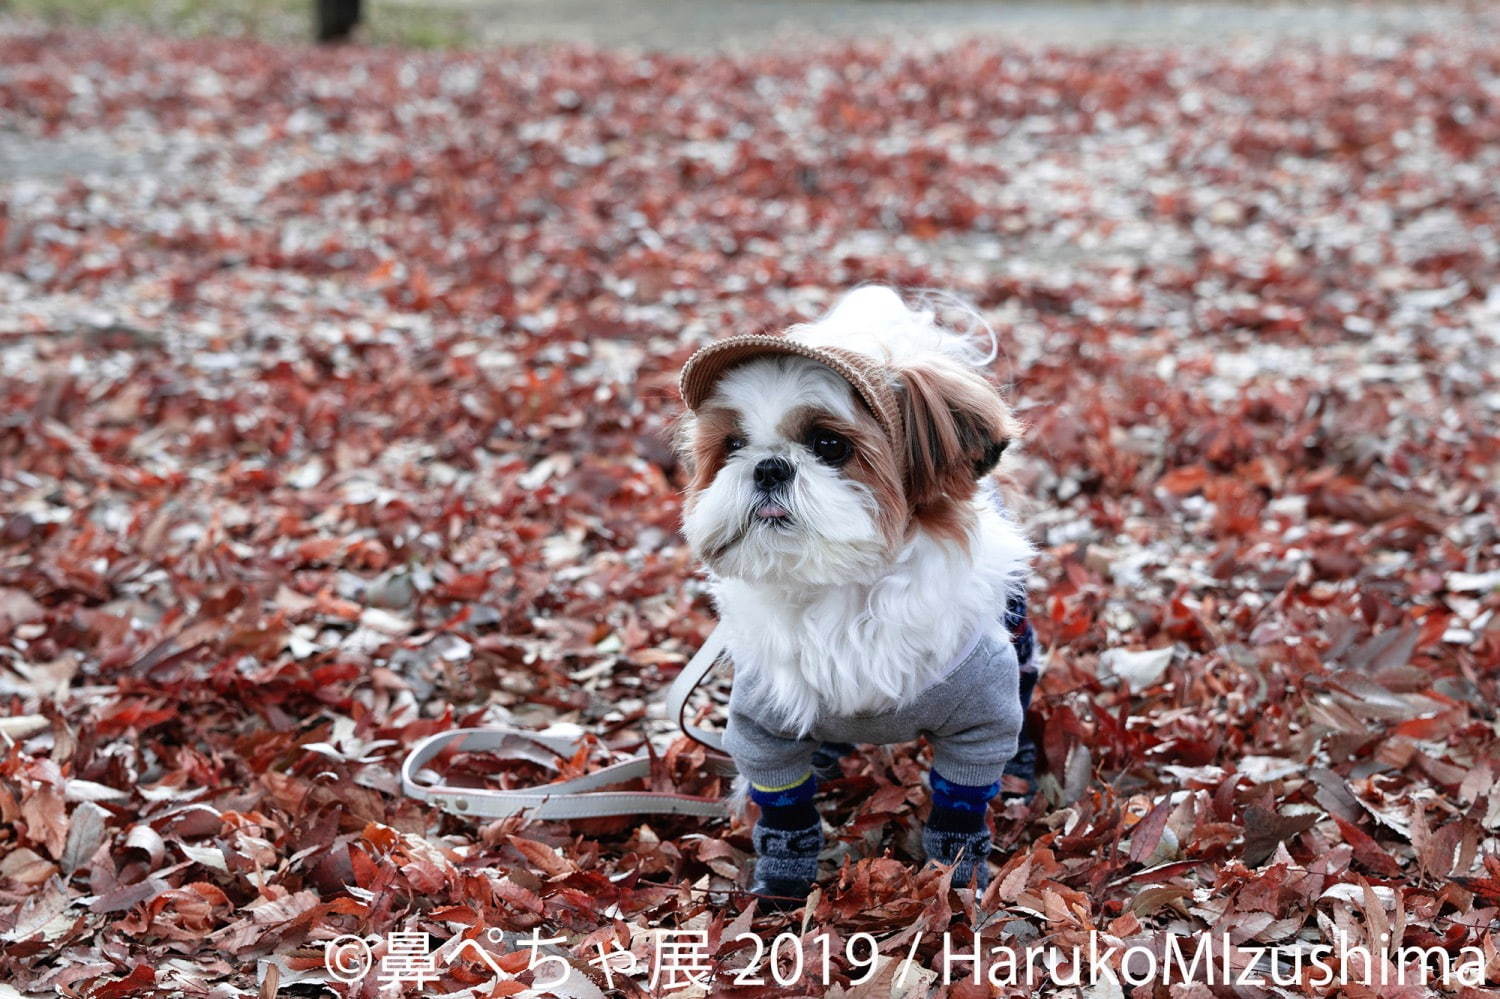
(865, 375)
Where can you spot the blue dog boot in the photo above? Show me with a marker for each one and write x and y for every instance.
(786, 865)
(968, 852)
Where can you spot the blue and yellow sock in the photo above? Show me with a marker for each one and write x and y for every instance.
(789, 806)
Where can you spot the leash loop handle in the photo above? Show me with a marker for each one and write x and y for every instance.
(576, 797)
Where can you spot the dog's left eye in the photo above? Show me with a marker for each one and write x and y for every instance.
(829, 447)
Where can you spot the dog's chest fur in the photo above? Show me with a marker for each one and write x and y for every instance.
(866, 647)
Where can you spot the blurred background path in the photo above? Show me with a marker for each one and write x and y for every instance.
(696, 25)
(737, 25)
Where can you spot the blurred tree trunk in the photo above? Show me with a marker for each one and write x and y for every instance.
(336, 19)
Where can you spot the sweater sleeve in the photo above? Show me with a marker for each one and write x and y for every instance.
(979, 736)
(769, 760)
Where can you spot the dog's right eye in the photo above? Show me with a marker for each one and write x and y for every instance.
(831, 448)
(733, 444)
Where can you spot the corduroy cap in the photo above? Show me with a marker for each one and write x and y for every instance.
(871, 380)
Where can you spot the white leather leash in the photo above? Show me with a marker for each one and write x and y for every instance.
(578, 797)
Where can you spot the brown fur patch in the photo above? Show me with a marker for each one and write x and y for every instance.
(701, 443)
(956, 424)
(873, 463)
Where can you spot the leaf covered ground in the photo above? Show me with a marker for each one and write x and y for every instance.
(333, 413)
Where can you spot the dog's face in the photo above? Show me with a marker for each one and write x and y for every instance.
(793, 479)
(794, 482)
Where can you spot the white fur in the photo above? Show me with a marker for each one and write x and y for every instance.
(835, 621)
(869, 645)
(874, 320)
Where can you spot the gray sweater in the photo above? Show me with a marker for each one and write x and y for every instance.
(972, 716)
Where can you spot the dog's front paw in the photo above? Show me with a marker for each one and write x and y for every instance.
(968, 852)
(786, 864)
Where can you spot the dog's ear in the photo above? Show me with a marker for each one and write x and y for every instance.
(957, 427)
(699, 440)
(680, 435)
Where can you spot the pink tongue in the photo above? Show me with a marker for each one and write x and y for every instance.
(771, 510)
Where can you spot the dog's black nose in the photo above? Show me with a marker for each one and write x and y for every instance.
(773, 472)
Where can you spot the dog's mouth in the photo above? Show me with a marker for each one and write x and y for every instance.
(769, 510)
(765, 510)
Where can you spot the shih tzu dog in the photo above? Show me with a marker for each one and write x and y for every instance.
(870, 583)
